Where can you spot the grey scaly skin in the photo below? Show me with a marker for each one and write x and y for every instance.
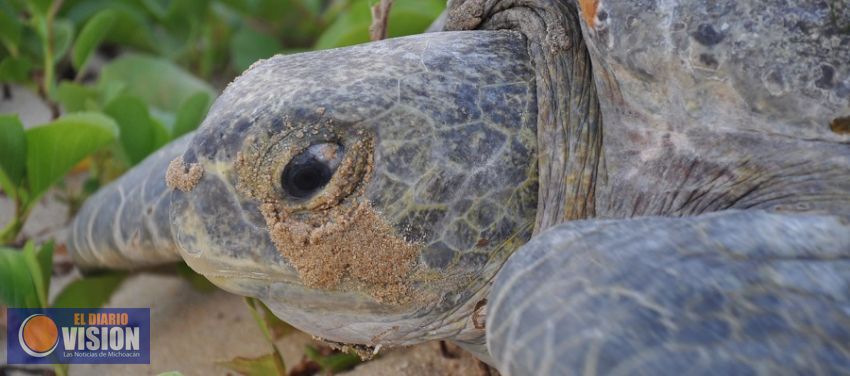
(453, 119)
(129, 218)
(703, 195)
(726, 293)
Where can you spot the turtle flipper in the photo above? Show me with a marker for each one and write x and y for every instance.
(126, 224)
(736, 292)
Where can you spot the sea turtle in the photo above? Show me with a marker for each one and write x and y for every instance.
(561, 187)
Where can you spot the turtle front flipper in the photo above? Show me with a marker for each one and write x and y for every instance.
(736, 292)
(126, 224)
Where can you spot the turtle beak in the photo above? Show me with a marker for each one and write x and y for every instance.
(220, 235)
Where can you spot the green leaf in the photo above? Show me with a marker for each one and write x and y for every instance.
(53, 148)
(131, 27)
(277, 328)
(406, 17)
(253, 305)
(110, 90)
(157, 81)
(132, 30)
(266, 365)
(313, 7)
(349, 28)
(166, 119)
(158, 8)
(16, 285)
(241, 6)
(89, 292)
(136, 125)
(13, 146)
(181, 11)
(248, 46)
(39, 7)
(10, 32)
(198, 281)
(15, 69)
(63, 34)
(333, 363)
(91, 185)
(171, 373)
(90, 37)
(183, 21)
(45, 264)
(191, 113)
(37, 275)
(75, 97)
(23, 283)
(161, 135)
(31, 44)
(267, 323)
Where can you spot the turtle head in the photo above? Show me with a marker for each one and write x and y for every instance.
(367, 194)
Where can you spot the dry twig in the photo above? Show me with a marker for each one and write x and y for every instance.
(380, 20)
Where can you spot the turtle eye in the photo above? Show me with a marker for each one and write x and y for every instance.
(308, 172)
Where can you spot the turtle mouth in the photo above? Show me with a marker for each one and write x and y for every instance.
(346, 317)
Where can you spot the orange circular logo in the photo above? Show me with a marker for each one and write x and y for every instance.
(38, 335)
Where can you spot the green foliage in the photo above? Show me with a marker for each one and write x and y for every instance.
(406, 17)
(52, 149)
(42, 270)
(157, 81)
(76, 97)
(25, 281)
(137, 127)
(25, 276)
(271, 326)
(277, 328)
(15, 69)
(39, 7)
(10, 31)
(334, 362)
(63, 35)
(198, 281)
(191, 113)
(208, 37)
(89, 292)
(131, 27)
(39, 159)
(12, 153)
(248, 46)
(90, 37)
(266, 365)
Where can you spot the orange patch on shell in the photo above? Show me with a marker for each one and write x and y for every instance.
(588, 11)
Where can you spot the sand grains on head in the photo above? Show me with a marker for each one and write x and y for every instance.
(183, 176)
